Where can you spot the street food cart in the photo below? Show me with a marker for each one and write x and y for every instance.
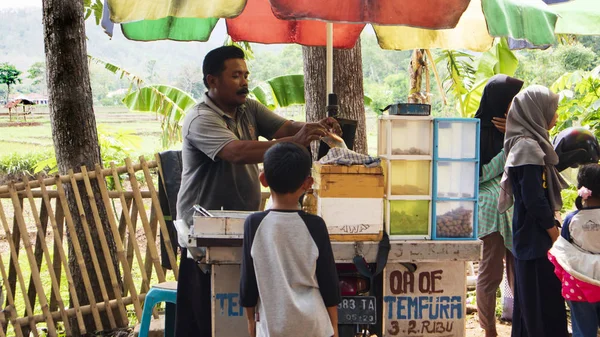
(424, 196)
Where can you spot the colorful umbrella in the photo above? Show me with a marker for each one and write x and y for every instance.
(579, 17)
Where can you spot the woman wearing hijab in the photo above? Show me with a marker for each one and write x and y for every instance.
(531, 177)
(495, 230)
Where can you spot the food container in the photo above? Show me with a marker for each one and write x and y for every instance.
(407, 177)
(456, 138)
(455, 220)
(455, 179)
(408, 219)
(405, 136)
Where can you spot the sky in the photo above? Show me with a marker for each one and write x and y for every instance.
(20, 3)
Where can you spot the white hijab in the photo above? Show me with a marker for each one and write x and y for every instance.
(527, 142)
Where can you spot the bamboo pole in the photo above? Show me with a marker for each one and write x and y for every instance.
(58, 248)
(118, 243)
(42, 240)
(91, 247)
(122, 221)
(148, 261)
(43, 219)
(78, 177)
(132, 242)
(17, 268)
(140, 205)
(112, 274)
(437, 76)
(54, 194)
(160, 216)
(57, 263)
(86, 309)
(12, 272)
(43, 300)
(11, 302)
(79, 257)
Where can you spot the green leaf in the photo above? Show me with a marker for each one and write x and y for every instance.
(168, 101)
(288, 89)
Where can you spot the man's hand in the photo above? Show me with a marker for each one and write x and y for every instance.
(554, 233)
(500, 123)
(332, 125)
(309, 132)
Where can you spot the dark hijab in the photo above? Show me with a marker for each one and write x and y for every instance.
(497, 96)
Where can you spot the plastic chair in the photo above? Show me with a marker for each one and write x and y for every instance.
(162, 292)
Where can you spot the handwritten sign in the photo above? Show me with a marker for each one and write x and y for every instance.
(228, 316)
(428, 302)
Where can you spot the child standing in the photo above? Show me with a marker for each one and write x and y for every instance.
(575, 255)
(289, 284)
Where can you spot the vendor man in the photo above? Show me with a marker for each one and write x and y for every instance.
(220, 154)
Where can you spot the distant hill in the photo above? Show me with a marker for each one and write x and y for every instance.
(22, 44)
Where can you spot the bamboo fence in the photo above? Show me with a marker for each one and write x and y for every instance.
(34, 257)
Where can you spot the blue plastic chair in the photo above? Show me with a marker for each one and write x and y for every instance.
(162, 292)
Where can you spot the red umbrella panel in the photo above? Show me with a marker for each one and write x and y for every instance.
(257, 23)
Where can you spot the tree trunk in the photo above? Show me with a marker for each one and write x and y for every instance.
(347, 84)
(76, 139)
(7, 93)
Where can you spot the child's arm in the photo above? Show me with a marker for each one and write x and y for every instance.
(251, 316)
(248, 285)
(333, 317)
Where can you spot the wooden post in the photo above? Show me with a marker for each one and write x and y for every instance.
(78, 255)
(41, 241)
(43, 221)
(132, 241)
(91, 246)
(57, 224)
(17, 202)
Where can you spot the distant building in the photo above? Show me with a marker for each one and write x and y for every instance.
(35, 98)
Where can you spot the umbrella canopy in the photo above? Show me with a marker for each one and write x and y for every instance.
(579, 17)
(473, 24)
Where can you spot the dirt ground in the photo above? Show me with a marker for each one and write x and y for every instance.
(473, 329)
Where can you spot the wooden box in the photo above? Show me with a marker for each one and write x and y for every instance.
(350, 200)
(356, 181)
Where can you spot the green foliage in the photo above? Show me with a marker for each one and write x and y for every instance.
(37, 72)
(468, 74)
(280, 91)
(115, 146)
(95, 8)
(579, 103)
(9, 75)
(18, 163)
(243, 45)
(170, 102)
(576, 57)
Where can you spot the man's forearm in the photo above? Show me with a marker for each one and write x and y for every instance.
(247, 151)
(289, 129)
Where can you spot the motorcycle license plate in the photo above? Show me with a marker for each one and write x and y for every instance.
(357, 310)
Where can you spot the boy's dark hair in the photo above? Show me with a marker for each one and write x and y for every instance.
(588, 176)
(214, 61)
(286, 167)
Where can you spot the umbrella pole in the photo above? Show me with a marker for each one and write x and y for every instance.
(329, 58)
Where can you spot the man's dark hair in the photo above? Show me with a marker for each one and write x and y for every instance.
(286, 167)
(589, 177)
(214, 62)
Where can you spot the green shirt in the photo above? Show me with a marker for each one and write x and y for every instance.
(490, 219)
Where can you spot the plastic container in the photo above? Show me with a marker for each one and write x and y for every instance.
(455, 179)
(407, 177)
(409, 136)
(457, 139)
(409, 217)
(454, 220)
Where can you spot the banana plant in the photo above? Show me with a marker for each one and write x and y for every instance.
(468, 73)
